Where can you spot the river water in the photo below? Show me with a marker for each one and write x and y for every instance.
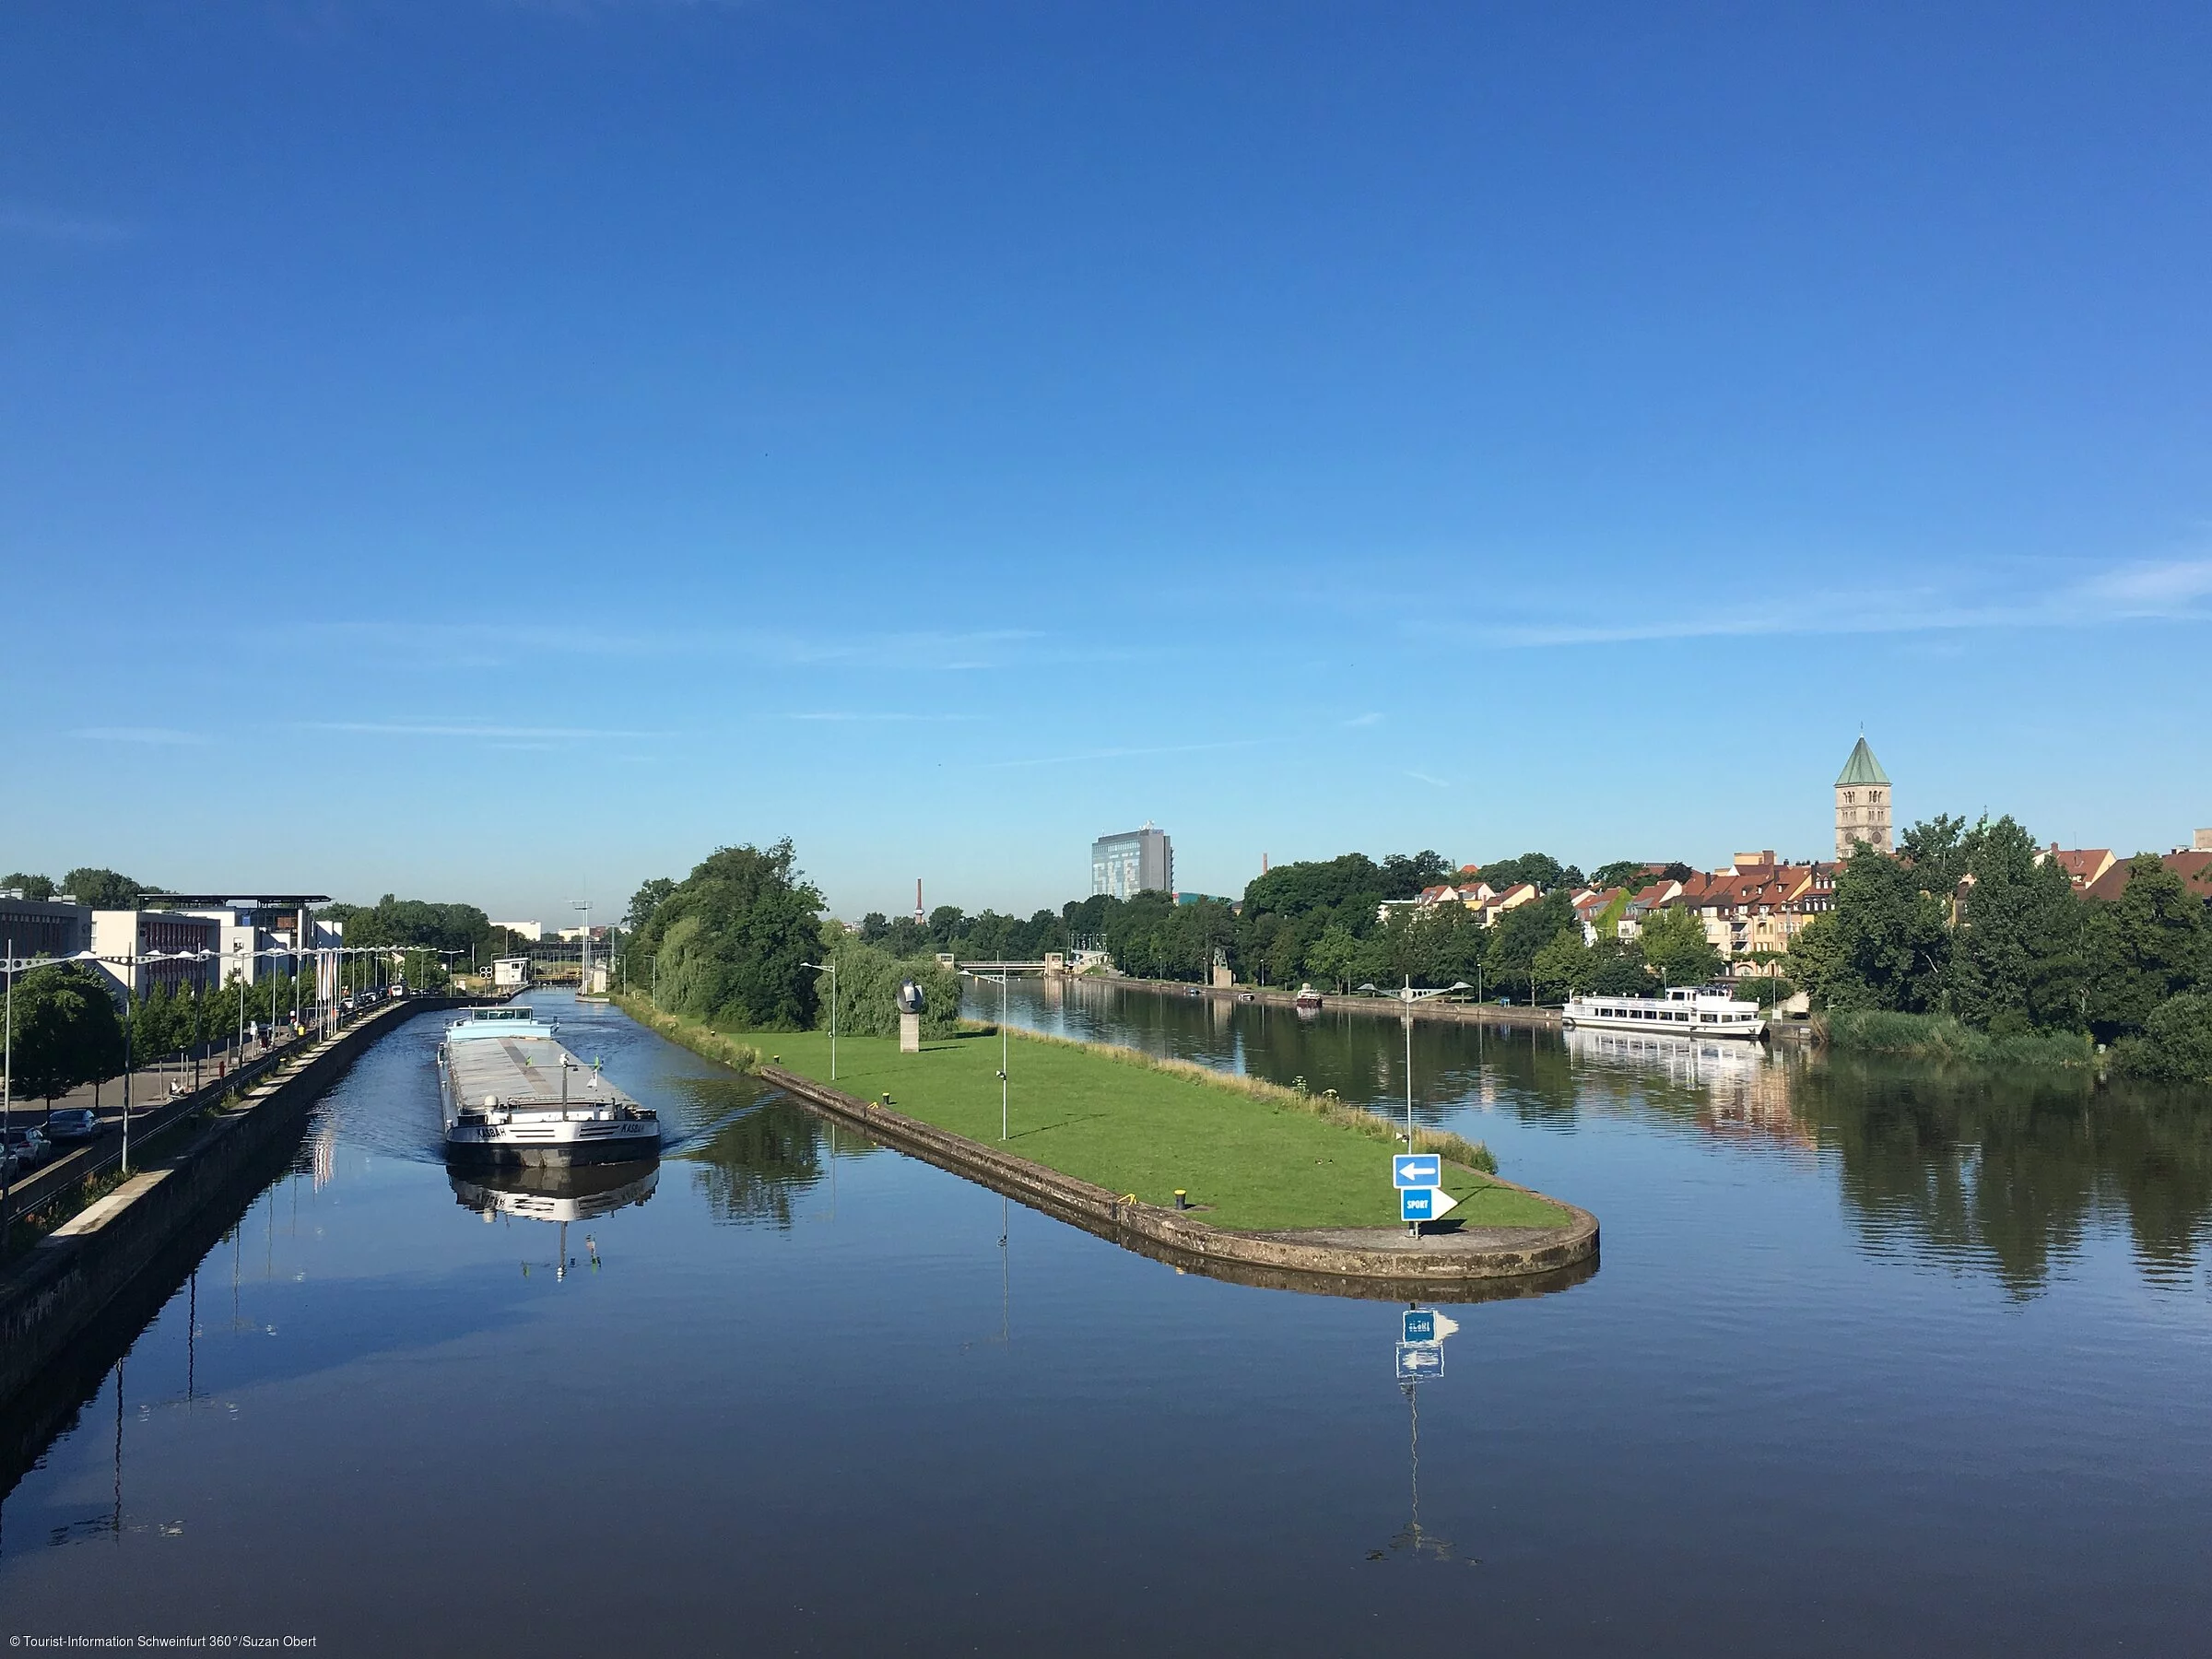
(1876, 1361)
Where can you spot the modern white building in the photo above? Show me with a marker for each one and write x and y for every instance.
(509, 974)
(533, 931)
(143, 950)
(1136, 861)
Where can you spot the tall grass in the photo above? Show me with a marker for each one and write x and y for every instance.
(1941, 1037)
(690, 1033)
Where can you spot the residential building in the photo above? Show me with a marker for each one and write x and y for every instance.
(1136, 861)
(43, 927)
(2085, 866)
(145, 950)
(1753, 907)
(1861, 803)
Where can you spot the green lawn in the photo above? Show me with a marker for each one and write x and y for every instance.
(1133, 1129)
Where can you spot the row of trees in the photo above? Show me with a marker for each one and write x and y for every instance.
(69, 1030)
(102, 890)
(1967, 921)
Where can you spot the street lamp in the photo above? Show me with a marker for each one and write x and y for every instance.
(1409, 996)
(830, 969)
(1001, 978)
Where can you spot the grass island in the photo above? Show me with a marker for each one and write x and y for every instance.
(1284, 1187)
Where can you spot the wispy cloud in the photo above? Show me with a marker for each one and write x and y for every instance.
(2178, 590)
(483, 644)
(504, 733)
(1422, 777)
(155, 735)
(872, 716)
(1123, 754)
(34, 224)
(1362, 720)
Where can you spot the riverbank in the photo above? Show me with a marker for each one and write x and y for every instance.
(1940, 1038)
(1282, 1188)
(62, 1284)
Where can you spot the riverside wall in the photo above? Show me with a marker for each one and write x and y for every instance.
(65, 1283)
(1447, 1268)
(1492, 1013)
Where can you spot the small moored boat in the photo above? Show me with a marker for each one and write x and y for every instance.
(1307, 997)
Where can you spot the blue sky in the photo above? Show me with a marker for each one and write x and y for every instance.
(490, 450)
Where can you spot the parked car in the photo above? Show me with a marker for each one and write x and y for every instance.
(72, 1124)
(28, 1145)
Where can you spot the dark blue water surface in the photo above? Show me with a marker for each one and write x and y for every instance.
(1876, 1359)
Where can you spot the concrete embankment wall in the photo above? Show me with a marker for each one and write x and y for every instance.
(52, 1292)
(1547, 1260)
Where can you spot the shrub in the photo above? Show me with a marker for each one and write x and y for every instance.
(2176, 1044)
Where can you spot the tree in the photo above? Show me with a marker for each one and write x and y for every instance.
(1885, 946)
(1333, 954)
(105, 890)
(2015, 957)
(2176, 1044)
(2149, 945)
(1676, 948)
(1621, 872)
(1405, 876)
(649, 898)
(65, 1030)
(1936, 850)
(1519, 933)
(874, 928)
(1542, 870)
(37, 887)
(731, 943)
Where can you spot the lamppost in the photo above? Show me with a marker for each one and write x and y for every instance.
(1409, 996)
(830, 969)
(1001, 978)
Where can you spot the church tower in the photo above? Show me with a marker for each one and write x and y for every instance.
(1861, 803)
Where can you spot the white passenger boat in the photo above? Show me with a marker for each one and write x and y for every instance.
(512, 1095)
(1684, 1011)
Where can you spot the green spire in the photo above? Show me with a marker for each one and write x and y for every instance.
(1862, 768)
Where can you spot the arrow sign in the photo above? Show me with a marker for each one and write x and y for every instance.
(1417, 1169)
(1421, 1324)
(1417, 1361)
(1424, 1203)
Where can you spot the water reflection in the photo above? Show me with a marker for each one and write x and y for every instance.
(2004, 1171)
(754, 1166)
(583, 1193)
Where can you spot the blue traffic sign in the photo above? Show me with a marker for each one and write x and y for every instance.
(1417, 1169)
(1417, 1204)
(1417, 1361)
(1421, 1324)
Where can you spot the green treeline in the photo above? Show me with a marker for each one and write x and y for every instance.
(1967, 943)
(69, 1027)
